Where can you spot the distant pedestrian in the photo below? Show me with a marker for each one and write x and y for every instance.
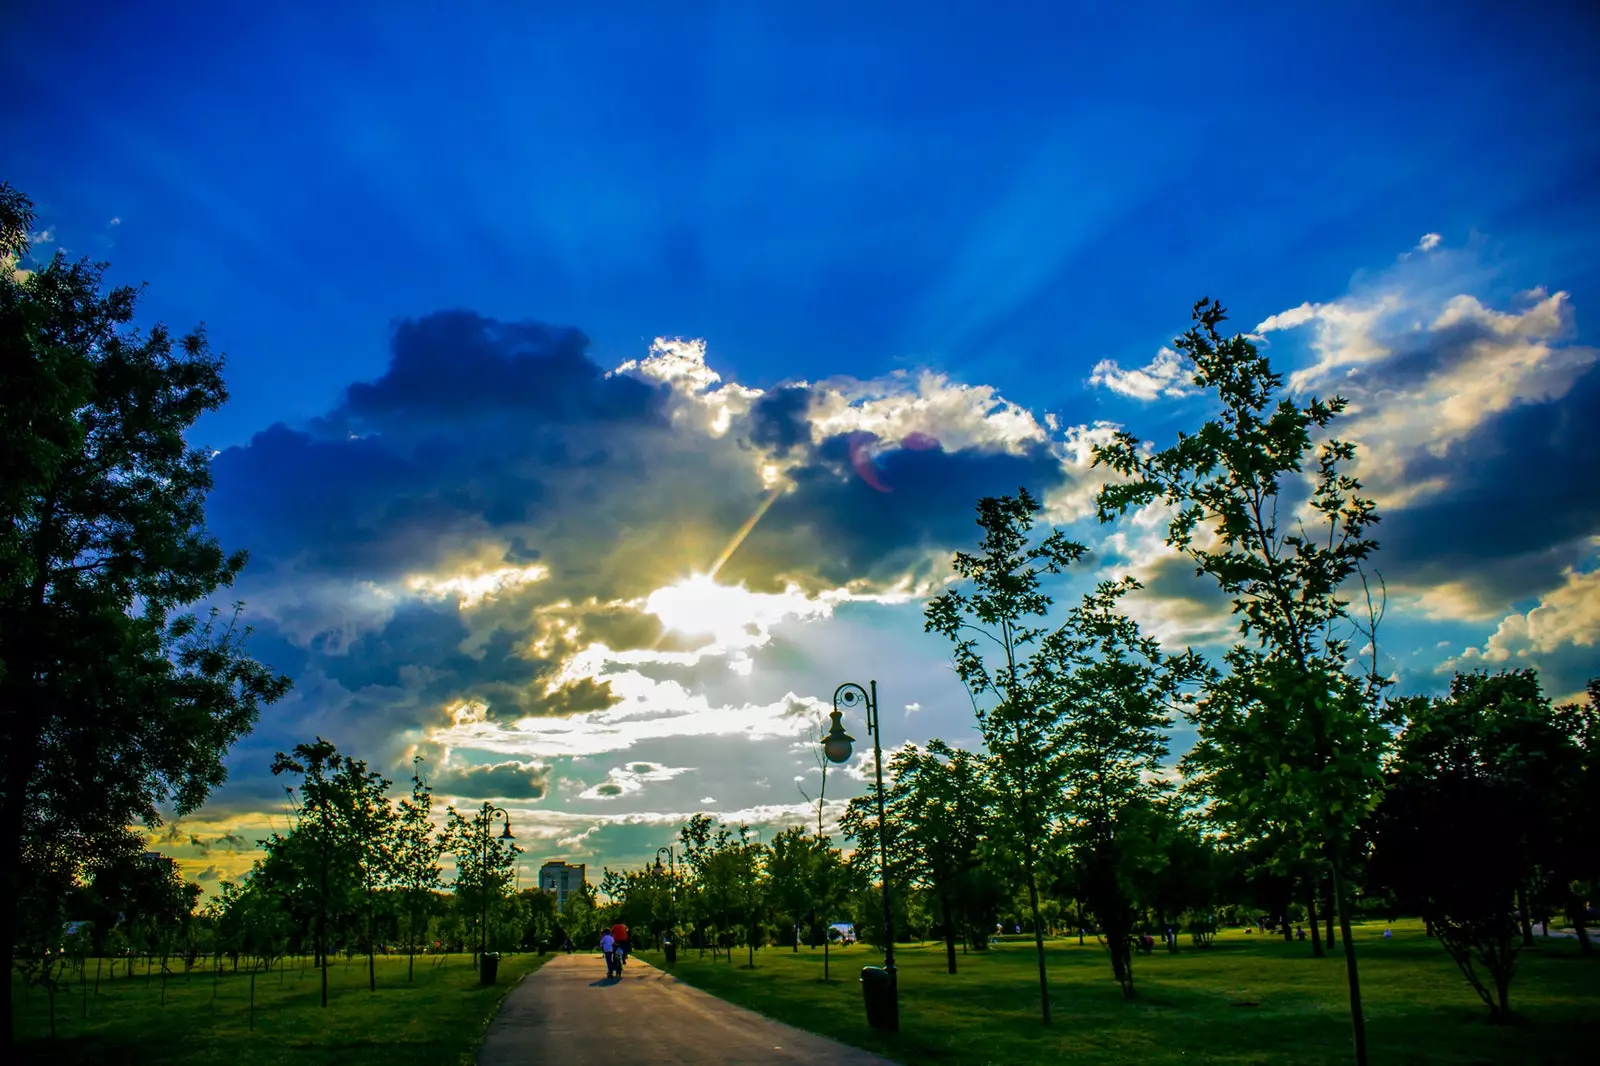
(619, 936)
(608, 946)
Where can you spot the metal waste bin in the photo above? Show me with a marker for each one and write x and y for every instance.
(670, 950)
(488, 967)
(878, 990)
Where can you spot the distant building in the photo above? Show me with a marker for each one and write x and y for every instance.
(561, 878)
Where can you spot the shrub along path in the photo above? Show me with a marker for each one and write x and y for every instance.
(570, 1013)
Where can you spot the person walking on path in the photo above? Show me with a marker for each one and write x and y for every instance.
(608, 945)
(619, 936)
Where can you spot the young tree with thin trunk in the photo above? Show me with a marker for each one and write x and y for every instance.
(938, 804)
(416, 861)
(1282, 542)
(1116, 690)
(485, 865)
(1004, 606)
(317, 852)
(369, 824)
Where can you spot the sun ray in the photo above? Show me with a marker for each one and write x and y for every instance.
(744, 531)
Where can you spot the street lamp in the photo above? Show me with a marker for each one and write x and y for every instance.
(671, 869)
(489, 814)
(836, 746)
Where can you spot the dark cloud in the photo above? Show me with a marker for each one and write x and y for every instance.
(778, 419)
(505, 780)
(844, 529)
(476, 426)
(423, 649)
(232, 842)
(210, 873)
(457, 365)
(1518, 506)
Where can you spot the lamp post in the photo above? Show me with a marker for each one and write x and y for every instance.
(836, 745)
(489, 814)
(671, 869)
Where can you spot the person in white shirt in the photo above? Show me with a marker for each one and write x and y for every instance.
(609, 946)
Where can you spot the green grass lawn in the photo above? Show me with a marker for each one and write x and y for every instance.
(1247, 999)
(439, 1019)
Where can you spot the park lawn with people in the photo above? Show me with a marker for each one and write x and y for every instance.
(1245, 999)
(438, 1019)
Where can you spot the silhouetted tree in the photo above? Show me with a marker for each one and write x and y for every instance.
(110, 700)
(1471, 812)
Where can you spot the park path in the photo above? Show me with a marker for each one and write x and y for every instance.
(568, 1012)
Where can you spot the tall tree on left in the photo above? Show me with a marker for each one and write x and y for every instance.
(113, 703)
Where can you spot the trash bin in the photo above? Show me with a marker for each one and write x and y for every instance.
(488, 967)
(877, 989)
(669, 948)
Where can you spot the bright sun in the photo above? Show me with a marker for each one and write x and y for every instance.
(731, 615)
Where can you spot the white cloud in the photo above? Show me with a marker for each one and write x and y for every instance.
(1560, 637)
(472, 587)
(626, 780)
(1504, 359)
(902, 405)
(1429, 242)
(647, 710)
(1168, 374)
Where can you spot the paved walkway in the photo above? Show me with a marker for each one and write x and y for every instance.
(568, 1012)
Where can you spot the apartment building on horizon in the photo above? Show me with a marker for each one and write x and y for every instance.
(562, 878)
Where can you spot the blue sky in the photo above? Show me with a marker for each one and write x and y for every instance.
(1008, 195)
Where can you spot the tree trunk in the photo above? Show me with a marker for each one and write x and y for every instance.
(1038, 939)
(1358, 1023)
(1332, 911)
(322, 953)
(1311, 917)
(1523, 919)
(372, 965)
(949, 936)
(1578, 915)
(1503, 991)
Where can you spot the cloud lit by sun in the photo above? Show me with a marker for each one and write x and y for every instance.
(730, 615)
(473, 589)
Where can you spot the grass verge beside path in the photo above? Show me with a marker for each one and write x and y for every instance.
(1246, 1000)
(438, 1020)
